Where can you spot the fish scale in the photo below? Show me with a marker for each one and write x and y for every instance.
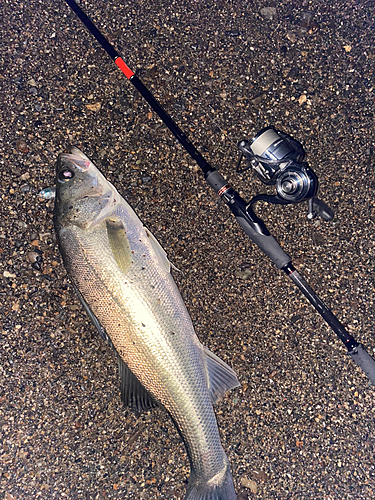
(123, 279)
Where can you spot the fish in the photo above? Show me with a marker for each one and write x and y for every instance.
(123, 279)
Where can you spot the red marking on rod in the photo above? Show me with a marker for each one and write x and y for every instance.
(124, 67)
(223, 189)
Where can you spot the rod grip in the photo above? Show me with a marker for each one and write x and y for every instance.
(362, 358)
(266, 243)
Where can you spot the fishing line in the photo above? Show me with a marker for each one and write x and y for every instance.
(277, 160)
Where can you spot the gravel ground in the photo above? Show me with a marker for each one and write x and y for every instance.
(301, 426)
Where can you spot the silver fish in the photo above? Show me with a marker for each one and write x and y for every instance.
(122, 276)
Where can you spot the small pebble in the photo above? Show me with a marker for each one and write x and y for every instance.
(179, 105)
(260, 475)
(307, 20)
(250, 484)
(94, 107)
(77, 102)
(242, 496)
(25, 188)
(291, 36)
(33, 257)
(245, 274)
(22, 146)
(7, 274)
(48, 193)
(317, 238)
(258, 99)
(268, 13)
(295, 318)
(233, 33)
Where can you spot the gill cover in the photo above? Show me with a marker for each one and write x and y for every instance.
(84, 197)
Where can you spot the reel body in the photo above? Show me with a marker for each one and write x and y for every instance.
(277, 159)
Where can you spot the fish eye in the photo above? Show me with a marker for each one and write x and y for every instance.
(66, 174)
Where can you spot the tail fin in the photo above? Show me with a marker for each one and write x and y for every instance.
(220, 487)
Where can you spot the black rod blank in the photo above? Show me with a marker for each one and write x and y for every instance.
(142, 89)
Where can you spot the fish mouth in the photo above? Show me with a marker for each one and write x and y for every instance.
(73, 157)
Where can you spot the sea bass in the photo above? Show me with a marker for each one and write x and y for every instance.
(122, 277)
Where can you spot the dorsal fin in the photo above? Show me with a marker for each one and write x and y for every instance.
(159, 250)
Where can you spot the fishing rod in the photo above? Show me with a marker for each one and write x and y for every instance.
(277, 159)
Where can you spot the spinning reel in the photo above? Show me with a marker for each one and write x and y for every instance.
(278, 160)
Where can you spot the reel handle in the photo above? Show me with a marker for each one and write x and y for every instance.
(318, 207)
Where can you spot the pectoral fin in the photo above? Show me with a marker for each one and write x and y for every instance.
(119, 243)
(120, 247)
(221, 377)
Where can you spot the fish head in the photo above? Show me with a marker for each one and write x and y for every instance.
(84, 197)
